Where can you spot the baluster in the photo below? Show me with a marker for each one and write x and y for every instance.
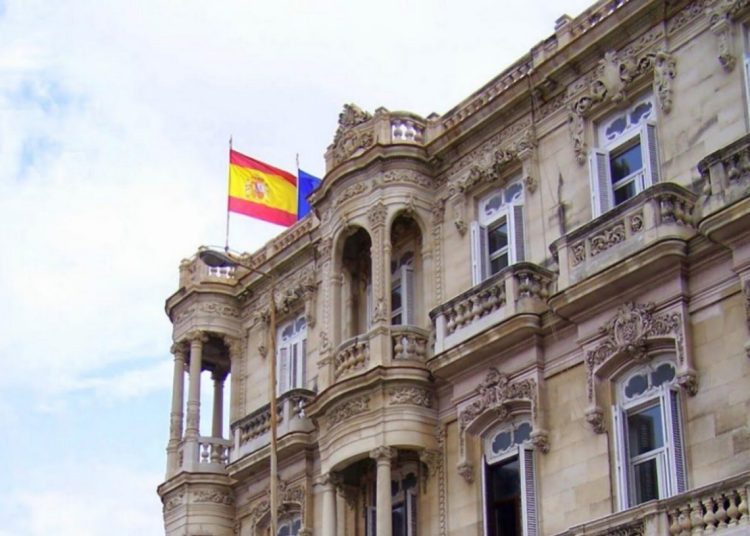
(674, 527)
(409, 347)
(721, 513)
(476, 308)
(743, 507)
(732, 511)
(204, 453)
(398, 347)
(696, 517)
(215, 452)
(685, 524)
(709, 519)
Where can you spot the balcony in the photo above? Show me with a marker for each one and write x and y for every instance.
(211, 456)
(661, 213)
(719, 508)
(409, 343)
(252, 433)
(726, 176)
(517, 289)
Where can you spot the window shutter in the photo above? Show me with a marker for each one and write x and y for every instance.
(407, 295)
(411, 513)
(620, 435)
(479, 260)
(601, 181)
(518, 246)
(678, 477)
(528, 491)
(650, 151)
(302, 365)
(282, 370)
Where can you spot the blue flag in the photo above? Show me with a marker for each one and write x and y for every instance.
(306, 183)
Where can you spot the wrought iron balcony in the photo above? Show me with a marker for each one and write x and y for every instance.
(520, 288)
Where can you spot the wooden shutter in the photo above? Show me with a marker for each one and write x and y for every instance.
(528, 491)
(479, 260)
(282, 370)
(601, 182)
(650, 152)
(676, 449)
(620, 438)
(407, 295)
(517, 244)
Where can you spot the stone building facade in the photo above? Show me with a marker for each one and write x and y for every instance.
(529, 315)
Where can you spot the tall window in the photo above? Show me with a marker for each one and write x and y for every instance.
(497, 237)
(648, 425)
(291, 347)
(509, 482)
(403, 502)
(627, 160)
(402, 289)
(290, 525)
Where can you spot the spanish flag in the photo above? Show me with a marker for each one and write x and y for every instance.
(261, 191)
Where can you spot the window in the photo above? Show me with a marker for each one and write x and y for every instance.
(290, 525)
(627, 161)
(509, 482)
(403, 502)
(648, 427)
(291, 349)
(497, 237)
(402, 289)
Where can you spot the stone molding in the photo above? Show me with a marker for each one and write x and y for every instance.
(346, 410)
(722, 15)
(626, 337)
(411, 396)
(213, 496)
(291, 498)
(383, 453)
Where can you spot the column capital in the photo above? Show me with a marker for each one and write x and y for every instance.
(383, 454)
(219, 375)
(328, 479)
(196, 336)
(178, 350)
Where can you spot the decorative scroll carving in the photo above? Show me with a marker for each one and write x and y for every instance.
(412, 396)
(720, 15)
(382, 453)
(348, 409)
(465, 470)
(494, 393)
(440, 434)
(350, 117)
(664, 71)
(530, 183)
(607, 238)
(459, 218)
(351, 136)
(347, 193)
(174, 500)
(627, 333)
(412, 177)
(213, 496)
(376, 215)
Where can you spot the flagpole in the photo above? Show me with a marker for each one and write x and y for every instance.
(229, 186)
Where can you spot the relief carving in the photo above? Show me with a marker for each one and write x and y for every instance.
(413, 396)
(494, 393)
(348, 409)
(213, 496)
(376, 215)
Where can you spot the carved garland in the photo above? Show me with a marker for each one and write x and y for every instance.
(627, 334)
(412, 396)
(347, 409)
(495, 394)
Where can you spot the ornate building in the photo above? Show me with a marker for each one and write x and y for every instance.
(529, 315)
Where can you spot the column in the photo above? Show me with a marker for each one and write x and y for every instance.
(329, 505)
(217, 419)
(176, 415)
(192, 422)
(340, 510)
(383, 507)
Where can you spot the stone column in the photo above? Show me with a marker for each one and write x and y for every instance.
(329, 505)
(340, 510)
(383, 507)
(192, 421)
(176, 416)
(218, 406)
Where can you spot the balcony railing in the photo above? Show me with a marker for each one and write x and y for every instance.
(410, 343)
(209, 455)
(351, 355)
(194, 271)
(719, 508)
(660, 212)
(253, 431)
(520, 288)
(726, 175)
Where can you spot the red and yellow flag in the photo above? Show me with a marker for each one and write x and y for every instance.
(261, 191)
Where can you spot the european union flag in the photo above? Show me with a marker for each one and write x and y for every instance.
(306, 183)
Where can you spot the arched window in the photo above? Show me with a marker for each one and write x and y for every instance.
(290, 525)
(497, 236)
(648, 432)
(291, 347)
(509, 481)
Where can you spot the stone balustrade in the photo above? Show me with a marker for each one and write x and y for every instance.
(253, 431)
(663, 211)
(726, 176)
(194, 271)
(409, 343)
(406, 130)
(520, 288)
(213, 450)
(719, 508)
(351, 355)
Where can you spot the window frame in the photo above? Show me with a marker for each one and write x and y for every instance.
(524, 452)
(670, 456)
(511, 212)
(643, 132)
(402, 278)
(291, 355)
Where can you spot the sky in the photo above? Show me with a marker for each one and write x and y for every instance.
(115, 117)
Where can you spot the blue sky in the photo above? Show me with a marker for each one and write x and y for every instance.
(114, 122)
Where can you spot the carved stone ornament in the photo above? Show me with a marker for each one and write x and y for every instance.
(466, 471)
(494, 393)
(530, 183)
(413, 396)
(613, 75)
(664, 71)
(350, 117)
(626, 335)
(348, 409)
(351, 137)
(173, 501)
(721, 14)
(376, 215)
(382, 453)
(213, 496)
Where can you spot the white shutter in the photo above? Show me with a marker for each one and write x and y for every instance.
(294, 365)
(620, 439)
(407, 295)
(302, 368)
(517, 244)
(650, 152)
(601, 181)
(282, 370)
(479, 260)
(676, 449)
(528, 491)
